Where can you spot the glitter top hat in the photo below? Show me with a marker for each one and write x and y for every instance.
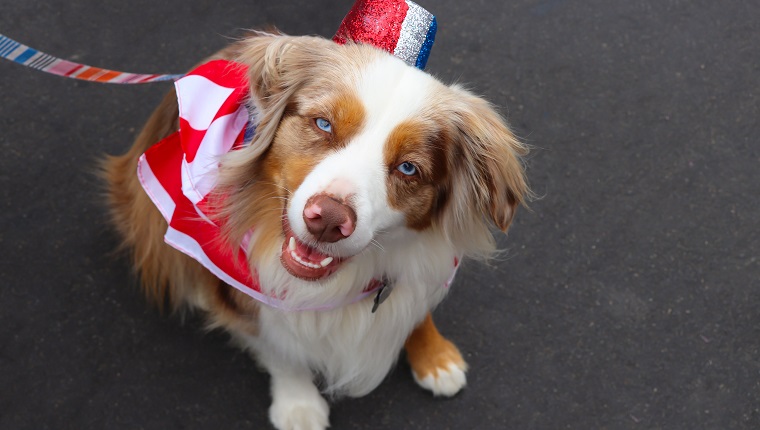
(401, 27)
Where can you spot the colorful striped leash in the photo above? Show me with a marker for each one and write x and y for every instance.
(22, 54)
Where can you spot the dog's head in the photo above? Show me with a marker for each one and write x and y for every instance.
(354, 146)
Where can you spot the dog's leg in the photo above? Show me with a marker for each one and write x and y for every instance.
(296, 402)
(436, 363)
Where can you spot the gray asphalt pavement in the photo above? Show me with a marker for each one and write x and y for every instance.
(628, 298)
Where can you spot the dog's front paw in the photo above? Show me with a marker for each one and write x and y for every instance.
(444, 380)
(300, 411)
(437, 365)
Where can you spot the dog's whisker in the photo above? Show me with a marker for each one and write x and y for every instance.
(377, 244)
(278, 186)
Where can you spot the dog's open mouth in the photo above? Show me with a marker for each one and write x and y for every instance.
(303, 261)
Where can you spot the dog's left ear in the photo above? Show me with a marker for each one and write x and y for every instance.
(492, 158)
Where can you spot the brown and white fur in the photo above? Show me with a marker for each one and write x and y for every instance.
(407, 226)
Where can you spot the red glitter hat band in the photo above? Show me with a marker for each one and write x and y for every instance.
(400, 27)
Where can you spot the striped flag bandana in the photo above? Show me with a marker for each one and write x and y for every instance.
(179, 173)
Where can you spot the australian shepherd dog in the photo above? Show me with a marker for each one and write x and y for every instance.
(362, 168)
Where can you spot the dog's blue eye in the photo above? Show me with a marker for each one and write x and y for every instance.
(407, 168)
(324, 125)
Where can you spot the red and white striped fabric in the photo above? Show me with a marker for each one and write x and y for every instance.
(179, 172)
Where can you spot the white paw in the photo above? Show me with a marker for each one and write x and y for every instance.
(444, 381)
(305, 411)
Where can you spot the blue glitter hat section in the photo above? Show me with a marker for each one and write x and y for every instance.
(427, 45)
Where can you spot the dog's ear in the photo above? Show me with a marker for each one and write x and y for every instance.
(278, 65)
(491, 158)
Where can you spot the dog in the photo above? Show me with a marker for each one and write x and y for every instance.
(362, 168)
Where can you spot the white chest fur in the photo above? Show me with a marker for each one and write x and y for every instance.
(350, 347)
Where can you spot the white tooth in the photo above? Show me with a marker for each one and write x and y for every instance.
(326, 261)
(298, 258)
(302, 261)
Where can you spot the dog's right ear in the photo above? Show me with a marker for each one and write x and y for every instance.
(278, 66)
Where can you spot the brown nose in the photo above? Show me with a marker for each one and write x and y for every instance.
(328, 219)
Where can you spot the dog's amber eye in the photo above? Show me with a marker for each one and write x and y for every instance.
(407, 168)
(323, 125)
